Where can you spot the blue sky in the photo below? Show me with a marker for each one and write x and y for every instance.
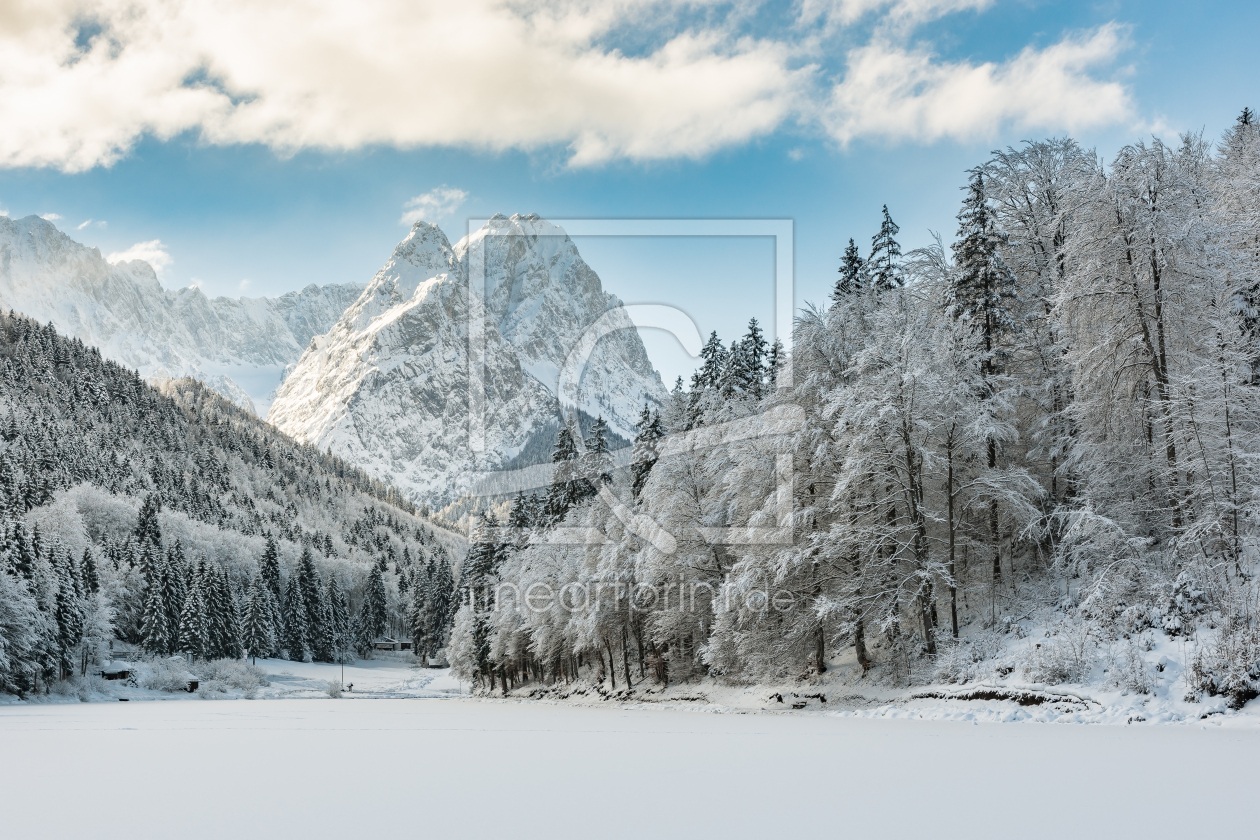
(818, 112)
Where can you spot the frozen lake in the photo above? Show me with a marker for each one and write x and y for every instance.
(446, 768)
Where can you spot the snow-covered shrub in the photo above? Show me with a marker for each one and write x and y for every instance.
(1010, 624)
(63, 688)
(1230, 666)
(334, 689)
(209, 689)
(230, 673)
(969, 658)
(1135, 618)
(90, 685)
(1187, 598)
(163, 674)
(1066, 656)
(1128, 669)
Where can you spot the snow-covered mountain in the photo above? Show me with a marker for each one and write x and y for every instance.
(542, 297)
(388, 386)
(239, 347)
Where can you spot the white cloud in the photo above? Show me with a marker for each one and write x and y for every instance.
(90, 222)
(153, 252)
(79, 88)
(50, 217)
(243, 285)
(898, 92)
(333, 75)
(437, 203)
(894, 12)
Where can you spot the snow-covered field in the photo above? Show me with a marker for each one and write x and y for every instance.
(385, 677)
(406, 753)
(445, 768)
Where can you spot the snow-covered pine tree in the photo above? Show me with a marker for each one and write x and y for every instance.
(568, 485)
(173, 590)
(757, 351)
(706, 379)
(232, 647)
(23, 552)
(339, 619)
(91, 578)
(482, 563)
(852, 268)
(295, 638)
(68, 613)
(645, 453)
(148, 531)
(735, 380)
(596, 464)
(983, 291)
(259, 634)
(404, 572)
(315, 604)
(440, 598)
(323, 633)
(983, 296)
(883, 266)
(774, 360)
(374, 616)
(194, 621)
(713, 359)
(416, 621)
(154, 630)
(269, 568)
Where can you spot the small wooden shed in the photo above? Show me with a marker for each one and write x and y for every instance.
(390, 644)
(116, 671)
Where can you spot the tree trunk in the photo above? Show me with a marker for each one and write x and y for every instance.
(859, 645)
(995, 536)
(612, 667)
(638, 637)
(953, 544)
(625, 655)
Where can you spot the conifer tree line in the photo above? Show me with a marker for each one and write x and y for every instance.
(171, 522)
(1055, 416)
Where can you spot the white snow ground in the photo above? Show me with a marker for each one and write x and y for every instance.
(445, 768)
(385, 677)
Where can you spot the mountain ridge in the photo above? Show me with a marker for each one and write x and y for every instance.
(123, 309)
(388, 386)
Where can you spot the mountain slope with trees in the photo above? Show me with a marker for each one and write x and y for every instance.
(169, 519)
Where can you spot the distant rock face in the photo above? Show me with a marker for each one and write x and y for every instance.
(123, 310)
(542, 297)
(388, 386)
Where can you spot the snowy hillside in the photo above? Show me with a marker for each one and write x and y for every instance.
(239, 347)
(170, 521)
(388, 387)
